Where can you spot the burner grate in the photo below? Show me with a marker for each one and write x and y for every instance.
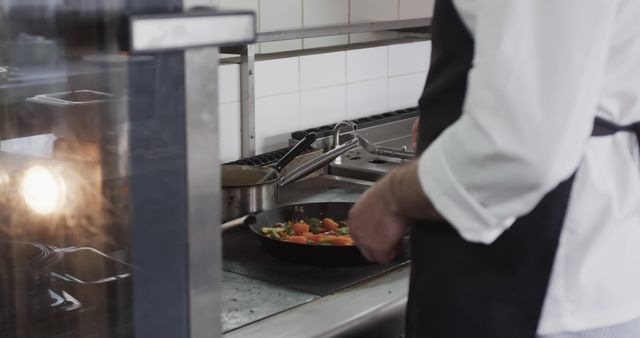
(267, 158)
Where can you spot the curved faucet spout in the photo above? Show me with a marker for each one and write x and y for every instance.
(337, 129)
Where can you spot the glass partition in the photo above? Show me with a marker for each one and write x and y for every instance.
(94, 184)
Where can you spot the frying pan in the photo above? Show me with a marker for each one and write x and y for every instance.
(303, 253)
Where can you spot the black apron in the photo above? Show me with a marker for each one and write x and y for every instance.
(462, 289)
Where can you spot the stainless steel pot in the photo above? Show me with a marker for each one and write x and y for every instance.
(241, 195)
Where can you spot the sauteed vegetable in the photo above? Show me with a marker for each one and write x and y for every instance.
(315, 231)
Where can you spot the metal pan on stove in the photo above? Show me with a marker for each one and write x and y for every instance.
(242, 194)
(303, 253)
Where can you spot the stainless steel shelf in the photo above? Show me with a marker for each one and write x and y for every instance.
(416, 28)
(365, 27)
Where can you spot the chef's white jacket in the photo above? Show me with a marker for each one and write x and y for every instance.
(542, 70)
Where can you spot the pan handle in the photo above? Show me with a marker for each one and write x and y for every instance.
(316, 163)
(296, 150)
(249, 220)
(289, 156)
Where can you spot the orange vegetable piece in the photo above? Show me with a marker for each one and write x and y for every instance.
(311, 236)
(297, 239)
(327, 238)
(330, 224)
(341, 241)
(300, 228)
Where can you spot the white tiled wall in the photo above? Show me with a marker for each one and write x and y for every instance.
(229, 83)
(322, 70)
(300, 92)
(367, 64)
(374, 10)
(285, 14)
(407, 58)
(405, 90)
(325, 12)
(411, 9)
(229, 117)
(276, 117)
(367, 98)
(323, 106)
(278, 15)
(278, 76)
(308, 91)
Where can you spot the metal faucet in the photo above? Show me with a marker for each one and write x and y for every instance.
(337, 129)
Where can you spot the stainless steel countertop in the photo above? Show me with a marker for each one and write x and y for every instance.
(253, 308)
(246, 300)
(344, 313)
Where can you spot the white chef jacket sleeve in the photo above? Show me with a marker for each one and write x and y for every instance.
(531, 99)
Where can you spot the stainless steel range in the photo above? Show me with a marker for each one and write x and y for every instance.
(363, 165)
(389, 130)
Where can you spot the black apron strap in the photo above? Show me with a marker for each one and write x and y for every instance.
(602, 127)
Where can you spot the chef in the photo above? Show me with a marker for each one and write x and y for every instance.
(524, 205)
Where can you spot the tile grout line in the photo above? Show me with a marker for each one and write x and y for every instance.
(349, 21)
(388, 77)
(302, 21)
(300, 88)
(346, 90)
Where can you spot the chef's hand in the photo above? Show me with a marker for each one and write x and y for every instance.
(379, 220)
(415, 129)
(375, 226)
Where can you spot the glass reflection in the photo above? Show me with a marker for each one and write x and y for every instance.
(91, 139)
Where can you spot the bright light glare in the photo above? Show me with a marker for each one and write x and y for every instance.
(4, 178)
(42, 190)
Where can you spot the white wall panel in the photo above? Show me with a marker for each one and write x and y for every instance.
(323, 106)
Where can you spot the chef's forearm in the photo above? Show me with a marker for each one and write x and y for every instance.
(407, 197)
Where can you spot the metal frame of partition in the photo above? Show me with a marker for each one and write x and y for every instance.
(189, 32)
(416, 28)
(203, 256)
